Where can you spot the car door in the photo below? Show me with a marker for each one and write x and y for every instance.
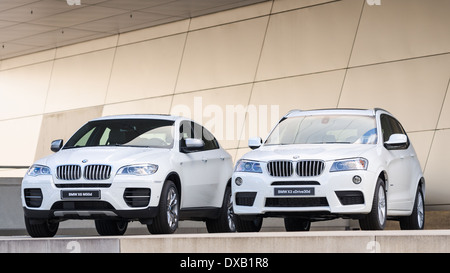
(197, 176)
(400, 162)
(220, 168)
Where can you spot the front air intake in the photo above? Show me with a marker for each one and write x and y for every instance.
(137, 197)
(33, 197)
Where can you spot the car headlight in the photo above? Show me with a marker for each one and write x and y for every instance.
(350, 164)
(141, 169)
(37, 170)
(248, 166)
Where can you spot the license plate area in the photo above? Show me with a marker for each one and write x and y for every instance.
(294, 191)
(80, 194)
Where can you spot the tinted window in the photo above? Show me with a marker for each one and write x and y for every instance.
(385, 127)
(390, 126)
(193, 130)
(185, 133)
(207, 137)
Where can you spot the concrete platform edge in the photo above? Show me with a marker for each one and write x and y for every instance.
(426, 241)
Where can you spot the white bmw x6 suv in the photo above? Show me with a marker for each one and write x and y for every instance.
(324, 164)
(155, 169)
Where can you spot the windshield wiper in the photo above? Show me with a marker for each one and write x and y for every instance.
(71, 147)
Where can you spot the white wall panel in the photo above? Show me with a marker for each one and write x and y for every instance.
(146, 69)
(23, 90)
(309, 40)
(402, 29)
(79, 81)
(160, 105)
(221, 56)
(412, 90)
(421, 142)
(444, 120)
(437, 170)
(18, 140)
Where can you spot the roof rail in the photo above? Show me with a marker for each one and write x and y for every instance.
(292, 111)
(380, 109)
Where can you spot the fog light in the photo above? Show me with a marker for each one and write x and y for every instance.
(238, 181)
(357, 179)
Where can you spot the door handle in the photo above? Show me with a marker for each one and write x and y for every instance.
(204, 159)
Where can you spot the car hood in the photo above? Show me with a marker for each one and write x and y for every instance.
(324, 152)
(104, 155)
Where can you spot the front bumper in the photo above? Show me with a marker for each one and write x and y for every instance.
(328, 194)
(124, 197)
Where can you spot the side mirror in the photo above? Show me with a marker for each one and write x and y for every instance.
(397, 141)
(193, 144)
(56, 145)
(254, 142)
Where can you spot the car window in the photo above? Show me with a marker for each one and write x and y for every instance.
(193, 130)
(185, 133)
(390, 126)
(209, 139)
(325, 129)
(124, 132)
(385, 127)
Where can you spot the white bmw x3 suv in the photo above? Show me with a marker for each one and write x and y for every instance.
(324, 164)
(155, 169)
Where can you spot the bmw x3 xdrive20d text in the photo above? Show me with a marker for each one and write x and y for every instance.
(155, 169)
(324, 164)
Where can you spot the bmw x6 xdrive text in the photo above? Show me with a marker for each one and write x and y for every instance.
(323, 164)
(155, 169)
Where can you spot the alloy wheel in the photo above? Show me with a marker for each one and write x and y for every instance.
(381, 206)
(172, 208)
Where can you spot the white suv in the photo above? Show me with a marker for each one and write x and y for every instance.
(323, 164)
(155, 169)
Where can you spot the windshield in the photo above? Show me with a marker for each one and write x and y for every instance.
(344, 129)
(124, 132)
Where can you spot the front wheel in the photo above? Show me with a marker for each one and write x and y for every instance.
(41, 228)
(225, 220)
(417, 218)
(376, 219)
(167, 220)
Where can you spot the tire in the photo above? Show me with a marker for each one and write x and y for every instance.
(38, 228)
(169, 211)
(296, 224)
(417, 218)
(376, 219)
(225, 221)
(252, 225)
(110, 227)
